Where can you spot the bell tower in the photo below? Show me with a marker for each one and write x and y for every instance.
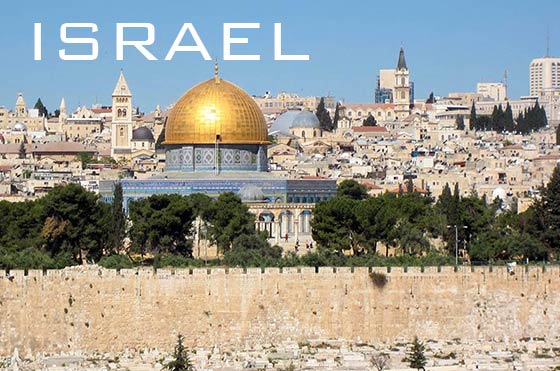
(401, 96)
(121, 126)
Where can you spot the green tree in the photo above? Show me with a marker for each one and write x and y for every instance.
(431, 98)
(370, 121)
(509, 124)
(228, 219)
(73, 222)
(336, 117)
(162, 224)
(160, 139)
(324, 116)
(473, 124)
(415, 356)
(352, 189)
(460, 122)
(118, 222)
(181, 360)
(547, 211)
(336, 227)
(22, 151)
(558, 135)
(41, 107)
(86, 159)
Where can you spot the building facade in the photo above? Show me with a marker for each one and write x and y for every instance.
(544, 74)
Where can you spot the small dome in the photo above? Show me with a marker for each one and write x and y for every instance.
(306, 119)
(251, 193)
(142, 134)
(294, 119)
(19, 127)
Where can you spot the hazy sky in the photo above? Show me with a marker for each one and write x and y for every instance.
(449, 46)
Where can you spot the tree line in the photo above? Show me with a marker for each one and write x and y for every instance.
(71, 225)
(411, 223)
(529, 120)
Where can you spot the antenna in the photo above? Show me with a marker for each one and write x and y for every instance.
(547, 42)
(505, 80)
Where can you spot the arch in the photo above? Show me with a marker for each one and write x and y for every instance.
(304, 219)
(265, 222)
(286, 219)
(119, 113)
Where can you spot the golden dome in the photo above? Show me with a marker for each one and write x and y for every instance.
(215, 107)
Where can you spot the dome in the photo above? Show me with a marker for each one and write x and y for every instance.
(284, 122)
(19, 127)
(251, 193)
(143, 134)
(214, 107)
(306, 119)
(295, 119)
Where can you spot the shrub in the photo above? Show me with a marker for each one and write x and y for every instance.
(116, 262)
(378, 279)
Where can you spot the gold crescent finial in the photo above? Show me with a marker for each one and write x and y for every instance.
(216, 69)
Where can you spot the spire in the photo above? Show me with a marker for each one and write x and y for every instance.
(62, 105)
(402, 63)
(121, 89)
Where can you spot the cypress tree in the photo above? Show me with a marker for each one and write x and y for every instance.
(181, 360)
(472, 119)
(494, 118)
(336, 115)
(41, 107)
(509, 125)
(160, 139)
(119, 219)
(550, 209)
(460, 122)
(558, 135)
(415, 355)
(22, 151)
(324, 116)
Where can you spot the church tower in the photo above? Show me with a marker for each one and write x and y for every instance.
(21, 108)
(63, 114)
(401, 96)
(121, 126)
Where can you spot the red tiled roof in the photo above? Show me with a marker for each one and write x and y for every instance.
(370, 129)
(548, 157)
(370, 106)
(101, 110)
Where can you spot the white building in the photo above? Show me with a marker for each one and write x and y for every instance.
(544, 74)
(495, 91)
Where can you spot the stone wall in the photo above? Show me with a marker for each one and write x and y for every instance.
(93, 309)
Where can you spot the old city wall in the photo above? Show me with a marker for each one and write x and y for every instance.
(94, 309)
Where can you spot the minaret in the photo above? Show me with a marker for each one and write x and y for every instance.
(401, 96)
(21, 108)
(121, 126)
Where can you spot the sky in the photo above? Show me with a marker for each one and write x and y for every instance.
(449, 47)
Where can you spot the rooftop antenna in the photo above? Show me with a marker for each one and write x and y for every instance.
(505, 80)
(547, 42)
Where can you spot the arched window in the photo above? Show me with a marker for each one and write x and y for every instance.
(122, 132)
(119, 113)
(314, 133)
(303, 133)
(124, 112)
(403, 81)
(402, 94)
